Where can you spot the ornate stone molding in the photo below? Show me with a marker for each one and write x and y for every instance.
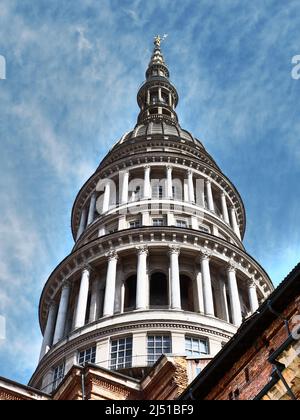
(112, 255)
(205, 254)
(52, 304)
(143, 249)
(66, 284)
(86, 267)
(232, 266)
(119, 390)
(10, 396)
(251, 283)
(174, 249)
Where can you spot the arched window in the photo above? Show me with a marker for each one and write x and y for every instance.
(187, 296)
(159, 291)
(130, 294)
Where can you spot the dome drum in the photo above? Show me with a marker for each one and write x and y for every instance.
(210, 196)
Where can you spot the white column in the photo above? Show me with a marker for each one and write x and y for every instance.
(224, 208)
(159, 95)
(82, 223)
(200, 300)
(82, 298)
(207, 287)
(141, 285)
(122, 298)
(106, 198)
(148, 97)
(62, 312)
(235, 303)
(234, 222)
(186, 191)
(49, 330)
(210, 200)
(224, 304)
(110, 288)
(147, 182)
(95, 301)
(125, 183)
(175, 278)
(169, 182)
(170, 99)
(92, 209)
(252, 296)
(191, 186)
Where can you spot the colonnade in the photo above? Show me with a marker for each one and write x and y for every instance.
(57, 314)
(207, 198)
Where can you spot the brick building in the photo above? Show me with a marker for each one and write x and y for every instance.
(261, 362)
(167, 379)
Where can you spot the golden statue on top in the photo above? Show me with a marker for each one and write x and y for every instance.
(158, 39)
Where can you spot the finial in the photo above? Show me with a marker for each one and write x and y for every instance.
(158, 39)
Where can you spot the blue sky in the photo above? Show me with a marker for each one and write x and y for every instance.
(73, 70)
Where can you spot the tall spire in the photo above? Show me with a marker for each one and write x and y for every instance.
(157, 58)
(157, 97)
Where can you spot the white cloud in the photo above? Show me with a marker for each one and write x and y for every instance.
(2, 328)
(22, 257)
(133, 15)
(83, 42)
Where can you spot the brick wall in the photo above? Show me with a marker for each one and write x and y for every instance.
(251, 373)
